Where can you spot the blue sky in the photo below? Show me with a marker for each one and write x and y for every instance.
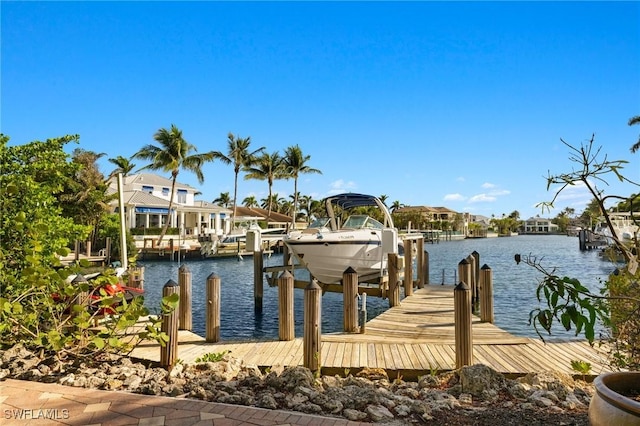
(455, 104)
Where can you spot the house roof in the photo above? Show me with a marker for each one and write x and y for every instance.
(151, 179)
(424, 209)
(143, 199)
(256, 211)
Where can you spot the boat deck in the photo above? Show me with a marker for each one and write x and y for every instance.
(409, 340)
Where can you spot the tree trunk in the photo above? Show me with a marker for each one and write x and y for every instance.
(166, 225)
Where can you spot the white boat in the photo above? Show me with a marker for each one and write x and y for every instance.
(327, 247)
(234, 243)
(623, 224)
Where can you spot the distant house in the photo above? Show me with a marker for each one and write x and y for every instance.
(539, 225)
(146, 205)
(431, 214)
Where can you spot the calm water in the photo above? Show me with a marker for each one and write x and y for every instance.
(514, 285)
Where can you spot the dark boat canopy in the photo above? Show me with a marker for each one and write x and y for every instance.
(350, 200)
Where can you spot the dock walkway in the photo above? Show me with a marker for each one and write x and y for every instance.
(409, 340)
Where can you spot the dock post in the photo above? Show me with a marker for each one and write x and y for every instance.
(408, 267)
(464, 272)
(88, 248)
(473, 282)
(286, 321)
(312, 326)
(394, 288)
(420, 262)
(169, 352)
(425, 266)
(486, 294)
(350, 300)
(213, 309)
(476, 275)
(258, 287)
(462, 325)
(184, 281)
(363, 313)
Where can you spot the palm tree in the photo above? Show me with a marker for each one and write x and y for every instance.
(267, 167)
(632, 121)
(305, 203)
(223, 200)
(383, 198)
(295, 165)
(250, 201)
(123, 165)
(396, 205)
(239, 155)
(172, 155)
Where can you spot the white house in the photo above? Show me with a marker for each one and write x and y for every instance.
(539, 225)
(146, 205)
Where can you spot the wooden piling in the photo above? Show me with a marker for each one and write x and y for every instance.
(169, 352)
(88, 248)
(350, 300)
(136, 277)
(476, 274)
(462, 325)
(420, 262)
(473, 283)
(312, 326)
(286, 319)
(212, 321)
(408, 267)
(258, 287)
(394, 288)
(486, 294)
(426, 268)
(464, 271)
(184, 280)
(363, 313)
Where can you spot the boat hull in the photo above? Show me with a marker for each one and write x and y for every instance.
(327, 255)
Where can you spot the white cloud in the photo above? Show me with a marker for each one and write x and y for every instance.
(460, 179)
(338, 186)
(488, 185)
(454, 197)
(482, 198)
(499, 192)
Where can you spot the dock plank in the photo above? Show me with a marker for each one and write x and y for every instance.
(409, 339)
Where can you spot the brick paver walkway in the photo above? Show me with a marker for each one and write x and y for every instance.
(39, 404)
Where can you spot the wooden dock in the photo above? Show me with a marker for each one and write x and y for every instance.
(409, 340)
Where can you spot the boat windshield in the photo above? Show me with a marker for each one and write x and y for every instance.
(321, 222)
(362, 222)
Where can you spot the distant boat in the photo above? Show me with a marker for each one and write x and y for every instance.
(327, 248)
(622, 223)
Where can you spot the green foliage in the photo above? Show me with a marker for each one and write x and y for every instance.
(582, 367)
(212, 357)
(39, 305)
(571, 304)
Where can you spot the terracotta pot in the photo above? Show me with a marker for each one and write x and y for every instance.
(608, 406)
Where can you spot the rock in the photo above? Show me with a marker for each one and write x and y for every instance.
(373, 374)
(354, 415)
(378, 413)
(481, 381)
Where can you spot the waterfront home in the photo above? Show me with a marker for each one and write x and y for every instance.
(146, 206)
(438, 217)
(540, 225)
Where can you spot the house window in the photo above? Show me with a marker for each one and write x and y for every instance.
(182, 196)
(148, 189)
(165, 192)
